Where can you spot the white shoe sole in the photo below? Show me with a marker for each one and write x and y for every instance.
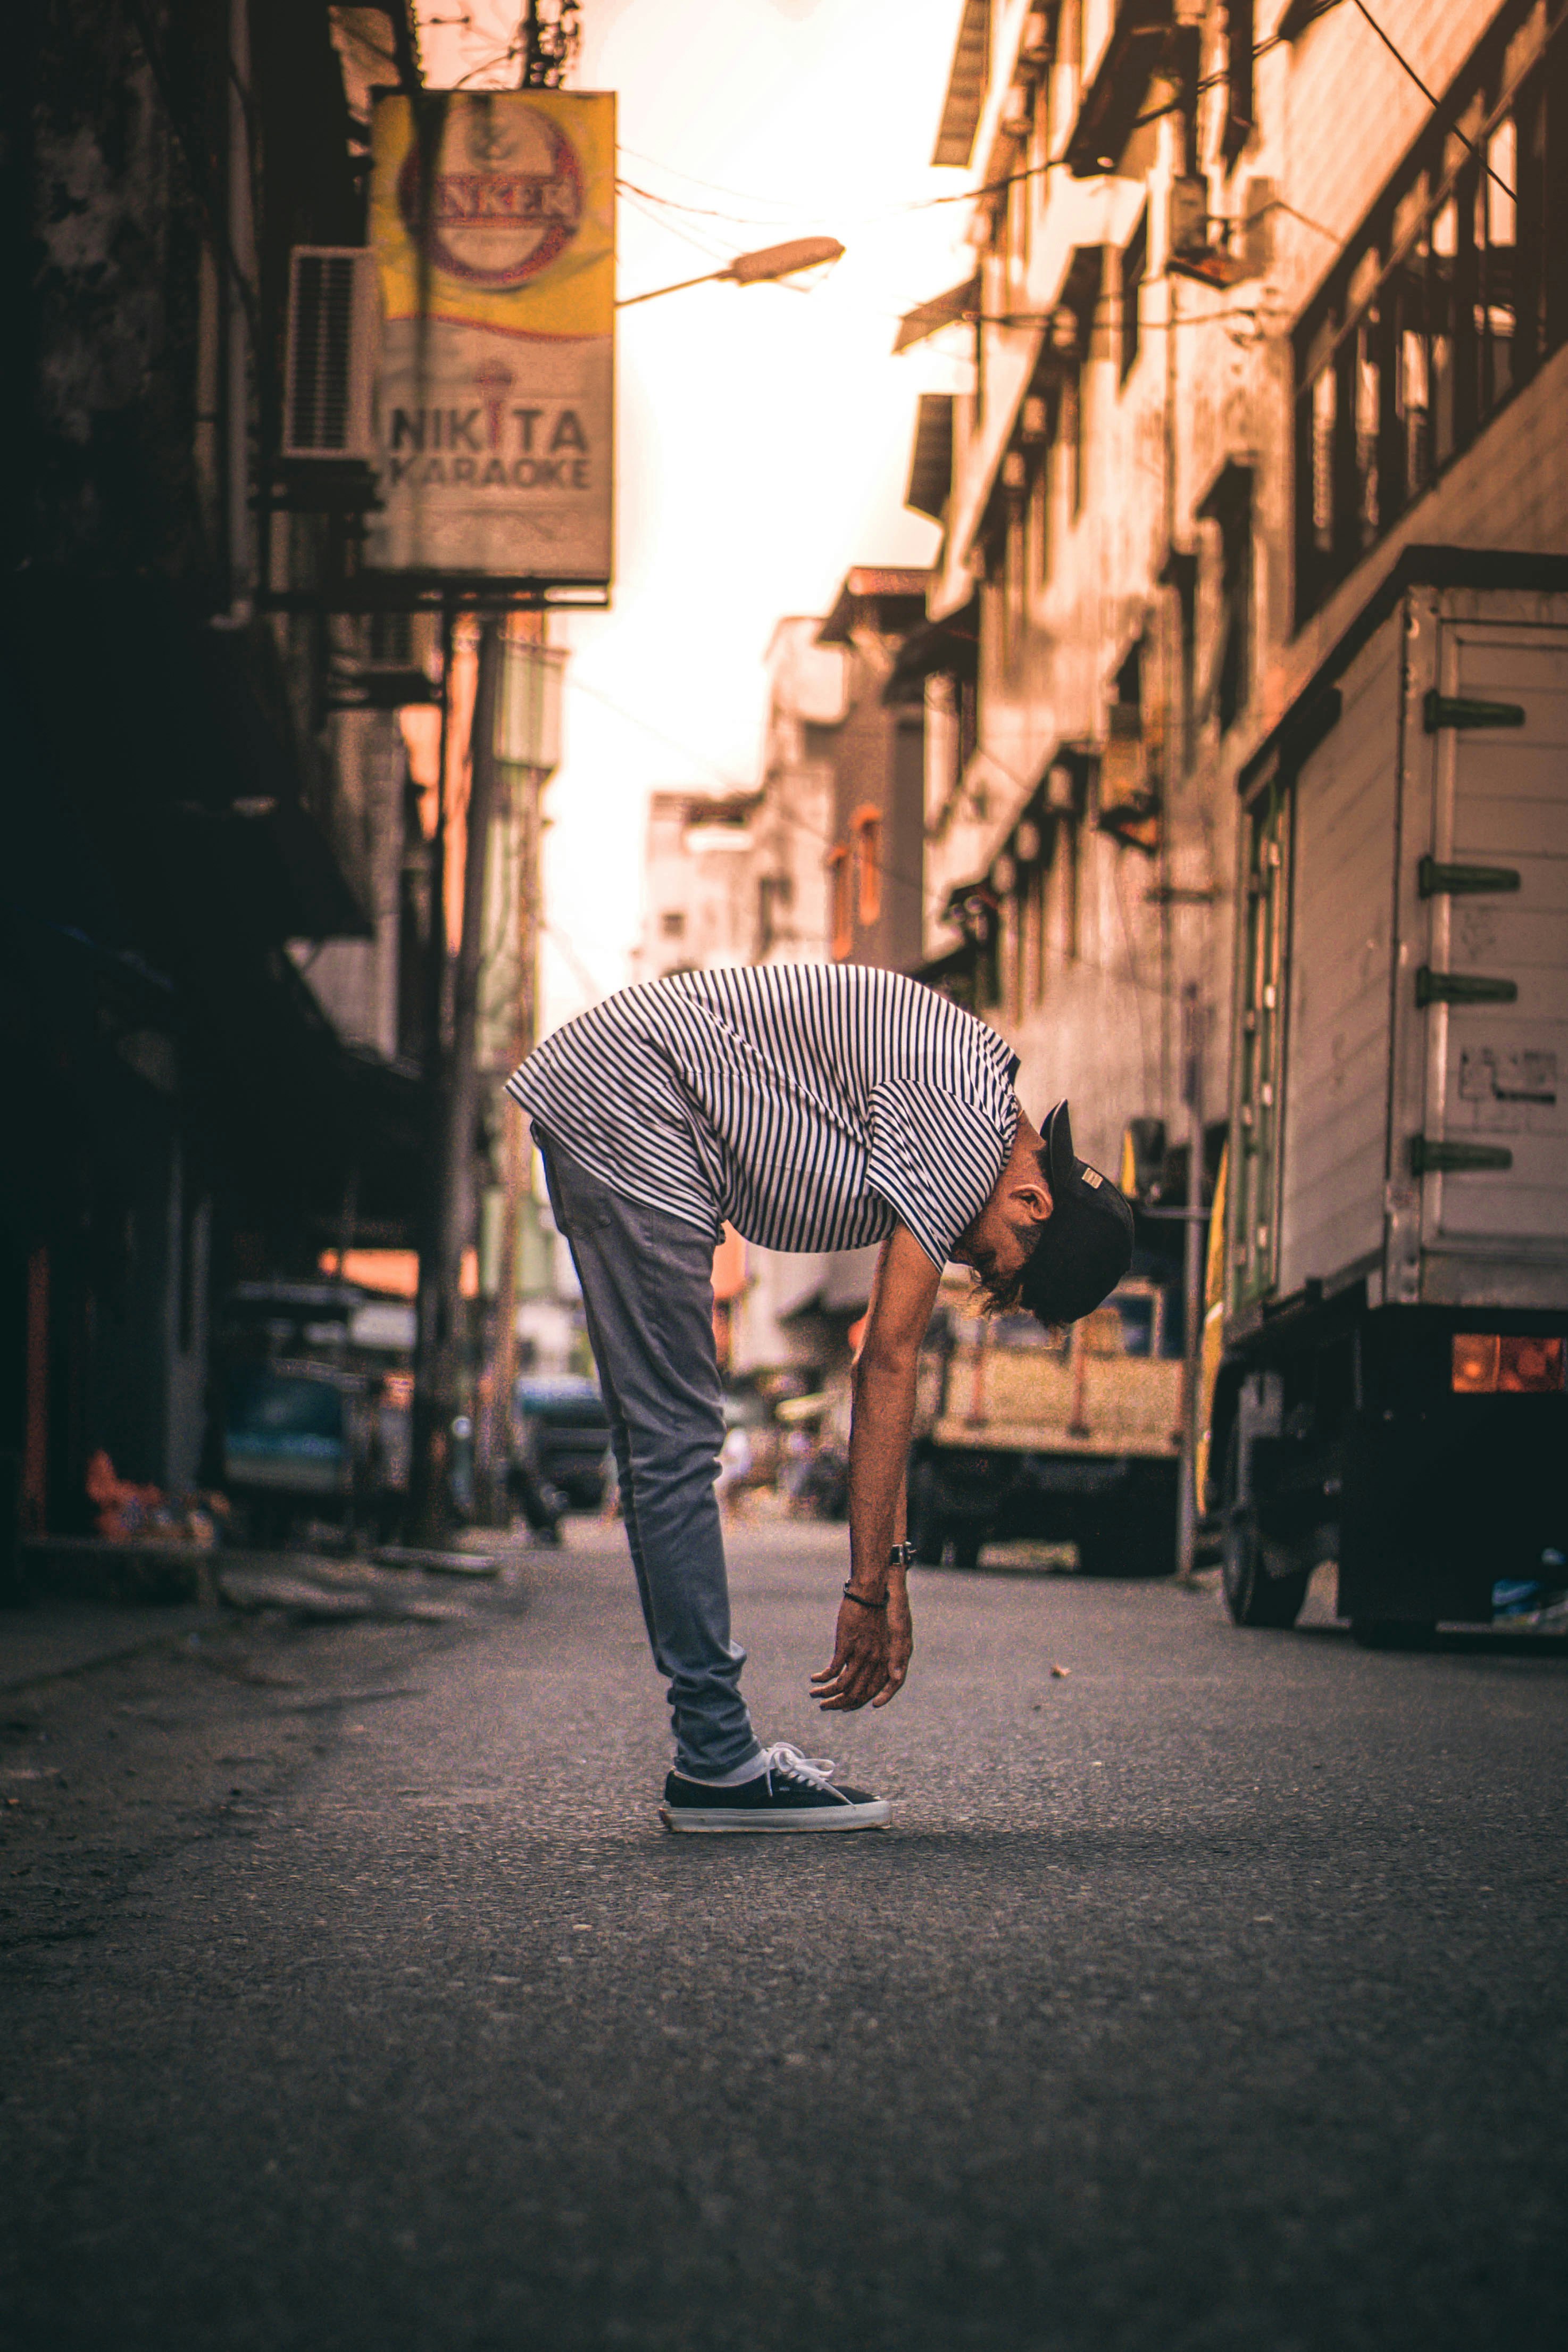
(694, 1820)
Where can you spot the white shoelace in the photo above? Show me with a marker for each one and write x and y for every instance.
(785, 1759)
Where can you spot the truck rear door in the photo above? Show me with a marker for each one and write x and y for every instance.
(1493, 987)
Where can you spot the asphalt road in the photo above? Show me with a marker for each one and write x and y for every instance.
(1210, 1996)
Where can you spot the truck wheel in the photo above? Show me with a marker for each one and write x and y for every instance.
(1252, 1596)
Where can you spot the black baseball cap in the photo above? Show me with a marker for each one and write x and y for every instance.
(1086, 1244)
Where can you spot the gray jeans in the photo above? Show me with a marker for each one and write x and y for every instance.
(647, 1294)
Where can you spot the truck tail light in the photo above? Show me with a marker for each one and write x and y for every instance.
(1485, 1362)
(1534, 1366)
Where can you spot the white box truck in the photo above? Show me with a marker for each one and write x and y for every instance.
(1388, 1306)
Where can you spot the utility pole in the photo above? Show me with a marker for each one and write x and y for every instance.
(1193, 1028)
(530, 753)
(438, 1365)
(530, 628)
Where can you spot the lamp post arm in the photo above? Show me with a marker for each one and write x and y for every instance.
(707, 278)
(764, 268)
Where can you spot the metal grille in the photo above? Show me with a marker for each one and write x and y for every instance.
(324, 358)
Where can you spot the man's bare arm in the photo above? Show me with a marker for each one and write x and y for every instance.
(873, 1646)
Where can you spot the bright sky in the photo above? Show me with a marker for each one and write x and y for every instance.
(764, 433)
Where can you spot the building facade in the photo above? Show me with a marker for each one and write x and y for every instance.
(1250, 316)
(875, 867)
(216, 949)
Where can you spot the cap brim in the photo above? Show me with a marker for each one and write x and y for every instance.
(1060, 1159)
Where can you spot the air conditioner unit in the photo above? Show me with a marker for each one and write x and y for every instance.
(1220, 251)
(334, 316)
(391, 666)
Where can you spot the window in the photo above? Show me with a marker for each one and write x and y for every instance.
(1241, 99)
(1015, 566)
(775, 895)
(1068, 890)
(1072, 434)
(1038, 563)
(672, 924)
(1229, 504)
(837, 865)
(1076, 341)
(865, 833)
(1135, 266)
(1034, 887)
(1018, 216)
(1448, 298)
(1011, 996)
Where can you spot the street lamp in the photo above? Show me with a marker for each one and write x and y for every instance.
(761, 269)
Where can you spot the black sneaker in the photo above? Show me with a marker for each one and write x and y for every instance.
(794, 1794)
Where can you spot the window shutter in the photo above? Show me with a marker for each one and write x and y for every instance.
(332, 322)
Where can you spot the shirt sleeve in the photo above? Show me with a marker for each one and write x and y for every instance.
(935, 1158)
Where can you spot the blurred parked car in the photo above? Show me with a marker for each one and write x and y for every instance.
(563, 1434)
(289, 1443)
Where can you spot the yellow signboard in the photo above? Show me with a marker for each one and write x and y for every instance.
(493, 219)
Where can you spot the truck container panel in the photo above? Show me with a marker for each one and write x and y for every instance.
(1335, 1128)
(1498, 1070)
(1398, 1161)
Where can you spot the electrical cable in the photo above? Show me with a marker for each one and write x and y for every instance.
(699, 212)
(1401, 60)
(714, 187)
(1278, 205)
(916, 204)
(685, 236)
(1397, 55)
(1436, 199)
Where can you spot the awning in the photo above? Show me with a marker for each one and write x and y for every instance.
(1299, 15)
(896, 594)
(966, 86)
(931, 459)
(943, 310)
(1114, 98)
(949, 648)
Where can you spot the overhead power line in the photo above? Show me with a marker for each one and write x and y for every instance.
(1405, 64)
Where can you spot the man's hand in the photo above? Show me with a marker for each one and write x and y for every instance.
(871, 1650)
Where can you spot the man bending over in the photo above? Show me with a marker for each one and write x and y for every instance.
(814, 1106)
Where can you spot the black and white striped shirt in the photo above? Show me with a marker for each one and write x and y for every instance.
(806, 1103)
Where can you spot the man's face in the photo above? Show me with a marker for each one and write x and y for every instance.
(1002, 1237)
